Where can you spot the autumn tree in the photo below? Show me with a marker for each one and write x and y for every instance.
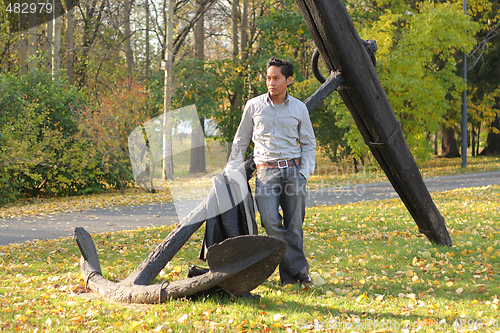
(416, 62)
(484, 76)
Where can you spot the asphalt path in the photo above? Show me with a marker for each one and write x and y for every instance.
(17, 230)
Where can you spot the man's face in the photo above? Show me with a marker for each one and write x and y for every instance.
(276, 82)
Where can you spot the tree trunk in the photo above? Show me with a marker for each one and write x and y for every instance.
(199, 35)
(23, 38)
(147, 41)
(342, 49)
(492, 145)
(473, 136)
(56, 47)
(436, 143)
(32, 38)
(478, 139)
(197, 161)
(70, 61)
(168, 165)
(49, 40)
(235, 98)
(244, 32)
(234, 18)
(449, 147)
(129, 54)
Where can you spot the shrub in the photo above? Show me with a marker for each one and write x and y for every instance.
(107, 123)
(41, 150)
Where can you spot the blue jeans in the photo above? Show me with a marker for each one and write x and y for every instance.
(286, 188)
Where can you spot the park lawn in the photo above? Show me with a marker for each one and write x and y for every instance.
(374, 272)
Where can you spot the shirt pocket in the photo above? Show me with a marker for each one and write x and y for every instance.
(263, 126)
(289, 126)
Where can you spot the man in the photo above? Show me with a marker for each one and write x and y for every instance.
(276, 122)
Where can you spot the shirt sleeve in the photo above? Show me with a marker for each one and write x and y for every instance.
(241, 139)
(308, 144)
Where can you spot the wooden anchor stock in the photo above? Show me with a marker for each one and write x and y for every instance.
(344, 53)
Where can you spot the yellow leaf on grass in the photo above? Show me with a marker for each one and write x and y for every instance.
(161, 328)
(277, 317)
(318, 281)
(134, 325)
(182, 319)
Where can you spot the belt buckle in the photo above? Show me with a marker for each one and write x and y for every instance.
(283, 167)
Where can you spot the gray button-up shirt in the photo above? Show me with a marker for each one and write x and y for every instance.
(276, 131)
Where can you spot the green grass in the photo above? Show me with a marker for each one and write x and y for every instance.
(378, 272)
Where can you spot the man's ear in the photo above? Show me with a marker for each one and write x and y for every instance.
(289, 80)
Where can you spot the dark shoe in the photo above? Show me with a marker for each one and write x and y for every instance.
(286, 282)
(251, 296)
(303, 278)
(194, 270)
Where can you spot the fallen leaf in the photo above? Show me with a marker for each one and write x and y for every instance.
(277, 317)
(182, 319)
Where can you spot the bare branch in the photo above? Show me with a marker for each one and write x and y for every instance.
(482, 45)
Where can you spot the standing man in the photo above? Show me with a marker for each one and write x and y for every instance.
(277, 122)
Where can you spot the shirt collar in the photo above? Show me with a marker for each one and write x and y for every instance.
(270, 100)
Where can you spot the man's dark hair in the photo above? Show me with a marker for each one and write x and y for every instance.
(285, 66)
